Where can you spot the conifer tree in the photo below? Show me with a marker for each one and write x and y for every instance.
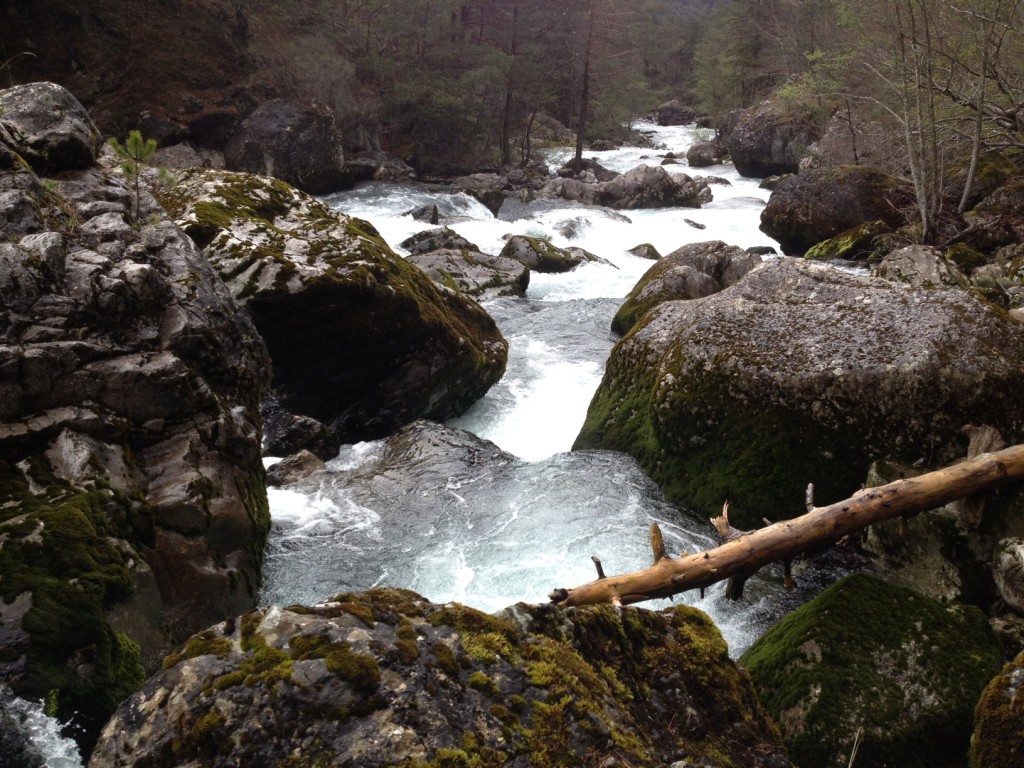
(134, 153)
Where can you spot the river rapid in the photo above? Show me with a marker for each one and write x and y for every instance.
(527, 517)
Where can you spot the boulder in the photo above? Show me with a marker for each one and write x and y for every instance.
(810, 207)
(588, 164)
(856, 244)
(998, 735)
(645, 251)
(602, 145)
(920, 266)
(489, 189)
(867, 654)
(674, 113)
(435, 239)
(385, 678)
(293, 468)
(427, 212)
(770, 139)
(643, 187)
(291, 141)
(378, 166)
(55, 133)
(704, 154)
(475, 274)
(286, 433)
(539, 254)
(361, 339)
(800, 373)
(686, 273)
(133, 505)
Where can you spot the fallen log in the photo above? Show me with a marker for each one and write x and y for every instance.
(743, 553)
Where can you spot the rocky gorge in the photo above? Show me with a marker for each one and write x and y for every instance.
(138, 352)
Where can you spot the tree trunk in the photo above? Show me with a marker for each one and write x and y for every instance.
(581, 123)
(743, 554)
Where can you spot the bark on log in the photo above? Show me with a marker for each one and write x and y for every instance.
(742, 555)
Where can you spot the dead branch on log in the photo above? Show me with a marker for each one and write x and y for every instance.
(743, 553)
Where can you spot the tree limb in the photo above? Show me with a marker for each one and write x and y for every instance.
(743, 554)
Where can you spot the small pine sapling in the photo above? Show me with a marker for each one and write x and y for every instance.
(134, 153)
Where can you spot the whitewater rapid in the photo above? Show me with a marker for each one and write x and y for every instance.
(514, 531)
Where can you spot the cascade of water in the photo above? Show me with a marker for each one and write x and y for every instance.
(528, 523)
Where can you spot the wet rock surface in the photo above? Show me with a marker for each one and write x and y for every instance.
(361, 340)
(801, 373)
(385, 678)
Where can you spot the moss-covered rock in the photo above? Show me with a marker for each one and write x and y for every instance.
(540, 255)
(474, 274)
(642, 187)
(807, 208)
(132, 505)
(384, 678)
(998, 737)
(852, 245)
(360, 339)
(867, 654)
(799, 374)
(690, 272)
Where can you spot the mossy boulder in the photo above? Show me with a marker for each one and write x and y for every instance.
(385, 678)
(922, 267)
(132, 505)
(770, 139)
(541, 255)
(55, 132)
(810, 207)
(855, 244)
(473, 273)
(360, 339)
(867, 654)
(998, 737)
(801, 373)
(436, 239)
(690, 272)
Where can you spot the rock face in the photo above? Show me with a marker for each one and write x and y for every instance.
(132, 504)
(998, 735)
(866, 654)
(692, 272)
(801, 373)
(54, 132)
(770, 139)
(293, 142)
(920, 266)
(810, 207)
(643, 187)
(384, 678)
(360, 339)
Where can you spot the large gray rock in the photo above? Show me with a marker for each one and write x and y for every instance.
(291, 141)
(674, 112)
(922, 267)
(868, 655)
(811, 207)
(385, 678)
(541, 255)
(361, 339)
(693, 271)
(132, 504)
(798, 374)
(56, 133)
(473, 273)
(1008, 571)
(642, 187)
(770, 139)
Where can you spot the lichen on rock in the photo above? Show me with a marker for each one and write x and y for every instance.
(360, 339)
(385, 678)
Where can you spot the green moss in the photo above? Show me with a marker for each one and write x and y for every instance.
(998, 737)
(481, 682)
(444, 659)
(359, 670)
(966, 258)
(854, 244)
(204, 739)
(847, 660)
(62, 547)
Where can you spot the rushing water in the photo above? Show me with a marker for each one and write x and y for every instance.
(516, 527)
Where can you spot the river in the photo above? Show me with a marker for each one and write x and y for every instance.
(514, 528)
